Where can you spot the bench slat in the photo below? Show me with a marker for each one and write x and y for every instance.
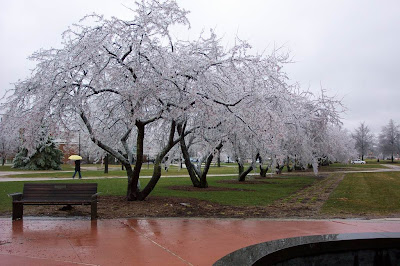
(61, 195)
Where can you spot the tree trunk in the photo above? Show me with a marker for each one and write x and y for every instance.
(203, 176)
(133, 184)
(154, 178)
(290, 169)
(157, 164)
(263, 171)
(139, 150)
(188, 163)
(189, 166)
(133, 191)
(219, 159)
(3, 161)
(279, 169)
(240, 168)
(242, 173)
(297, 165)
(198, 177)
(288, 166)
(106, 164)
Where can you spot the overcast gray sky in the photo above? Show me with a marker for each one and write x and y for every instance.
(350, 48)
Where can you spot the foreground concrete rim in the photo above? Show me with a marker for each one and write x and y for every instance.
(155, 241)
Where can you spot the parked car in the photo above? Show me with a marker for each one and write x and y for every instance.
(358, 161)
(194, 160)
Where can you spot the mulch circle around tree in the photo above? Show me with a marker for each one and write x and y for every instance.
(247, 182)
(192, 188)
(110, 207)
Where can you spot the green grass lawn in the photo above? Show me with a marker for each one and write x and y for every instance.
(114, 170)
(358, 166)
(259, 194)
(366, 193)
(147, 170)
(374, 161)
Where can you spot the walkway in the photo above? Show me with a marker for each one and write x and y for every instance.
(4, 176)
(154, 241)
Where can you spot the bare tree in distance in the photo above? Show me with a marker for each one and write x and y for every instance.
(389, 139)
(363, 139)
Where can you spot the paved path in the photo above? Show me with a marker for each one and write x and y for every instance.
(4, 176)
(8, 179)
(154, 241)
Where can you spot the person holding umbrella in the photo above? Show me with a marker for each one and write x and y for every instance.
(77, 160)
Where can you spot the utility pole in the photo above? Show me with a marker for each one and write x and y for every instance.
(79, 143)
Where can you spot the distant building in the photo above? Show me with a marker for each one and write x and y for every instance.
(68, 145)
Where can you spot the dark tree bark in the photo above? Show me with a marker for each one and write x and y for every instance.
(297, 165)
(186, 157)
(263, 171)
(139, 159)
(133, 192)
(157, 163)
(106, 164)
(198, 177)
(290, 169)
(243, 173)
(279, 168)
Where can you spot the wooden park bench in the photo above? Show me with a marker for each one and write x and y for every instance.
(55, 194)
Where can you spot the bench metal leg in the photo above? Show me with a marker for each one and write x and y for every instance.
(94, 210)
(17, 210)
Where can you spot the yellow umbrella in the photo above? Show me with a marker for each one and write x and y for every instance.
(75, 157)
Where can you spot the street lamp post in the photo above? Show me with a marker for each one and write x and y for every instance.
(79, 143)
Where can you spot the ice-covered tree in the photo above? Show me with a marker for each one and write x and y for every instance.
(389, 139)
(9, 141)
(127, 83)
(363, 139)
(113, 79)
(340, 145)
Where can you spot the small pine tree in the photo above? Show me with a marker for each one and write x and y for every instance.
(46, 157)
(21, 159)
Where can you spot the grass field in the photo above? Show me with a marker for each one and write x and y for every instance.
(253, 194)
(358, 166)
(67, 171)
(96, 170)
(366, 193)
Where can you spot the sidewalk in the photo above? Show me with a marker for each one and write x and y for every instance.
(49, 241)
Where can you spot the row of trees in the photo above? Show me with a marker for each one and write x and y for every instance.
(132, 84)
(386, 144)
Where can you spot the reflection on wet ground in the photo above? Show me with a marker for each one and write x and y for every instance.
(49, 241)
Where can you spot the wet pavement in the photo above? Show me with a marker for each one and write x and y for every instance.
(49, 241)
(5, 177)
